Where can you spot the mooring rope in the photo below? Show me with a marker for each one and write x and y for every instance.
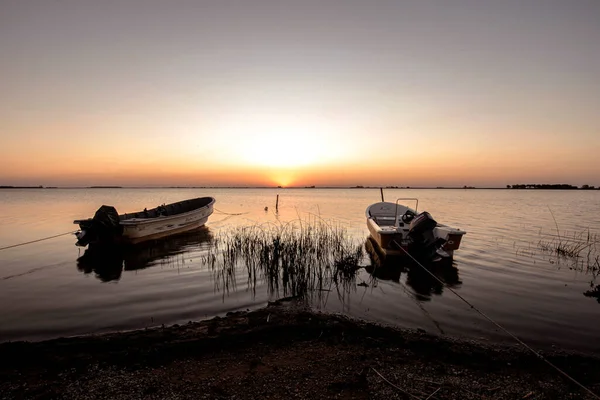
(37, 240)
(501, 327)
(222, 212)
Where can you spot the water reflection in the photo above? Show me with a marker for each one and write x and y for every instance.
(314, 283)
(418, 277)
(108, 262)
(577, 251)
(594, 292)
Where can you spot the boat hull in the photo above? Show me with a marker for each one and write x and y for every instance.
(138, 234)
(390, 235)
(385, 240)
(140, 230)
(164, 221)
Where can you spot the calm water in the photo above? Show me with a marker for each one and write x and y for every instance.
(46, 293)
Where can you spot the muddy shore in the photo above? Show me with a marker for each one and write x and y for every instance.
(285, 351)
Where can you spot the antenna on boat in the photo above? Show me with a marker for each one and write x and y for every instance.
(381, 190)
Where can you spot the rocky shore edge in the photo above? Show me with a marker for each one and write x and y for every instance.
(286, 351)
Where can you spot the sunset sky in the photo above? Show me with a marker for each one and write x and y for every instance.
(276, 92)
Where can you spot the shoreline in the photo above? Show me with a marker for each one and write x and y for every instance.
(285, 350)
(592, 188)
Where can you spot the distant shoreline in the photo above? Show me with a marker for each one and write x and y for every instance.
(303, 187)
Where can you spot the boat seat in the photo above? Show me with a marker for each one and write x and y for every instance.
(382, 221)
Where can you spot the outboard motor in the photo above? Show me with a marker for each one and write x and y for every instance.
(424, 243)
(104, 227)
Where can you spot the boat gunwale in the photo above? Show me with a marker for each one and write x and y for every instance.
(373, 218)
(368, 214)
(164, 218)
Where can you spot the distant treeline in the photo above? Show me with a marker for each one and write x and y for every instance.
(560, 186)
(21, 187)
(54, 187)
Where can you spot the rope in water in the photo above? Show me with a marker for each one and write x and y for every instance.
(37, 240)
(501, 327)
(222, 212)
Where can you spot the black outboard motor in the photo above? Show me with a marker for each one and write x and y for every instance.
(424, 243)
(104, 227)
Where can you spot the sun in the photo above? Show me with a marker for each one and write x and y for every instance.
(282, 178)
(286, 147)
(280, 141)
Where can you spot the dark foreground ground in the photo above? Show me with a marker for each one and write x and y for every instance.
(281, 352)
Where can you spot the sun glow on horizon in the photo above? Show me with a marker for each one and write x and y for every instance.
(283, 179)
(283, 141)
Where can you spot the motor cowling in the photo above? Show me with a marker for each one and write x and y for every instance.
(421, 224)
(103, 227)
(421, 231)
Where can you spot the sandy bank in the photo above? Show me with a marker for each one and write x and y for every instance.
(284, 351)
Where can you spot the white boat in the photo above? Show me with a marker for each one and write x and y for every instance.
(398, 230)
(107, 226)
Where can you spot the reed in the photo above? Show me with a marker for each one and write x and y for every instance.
(583, 248)
(301, 258)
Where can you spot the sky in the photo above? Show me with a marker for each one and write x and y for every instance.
(299, 93)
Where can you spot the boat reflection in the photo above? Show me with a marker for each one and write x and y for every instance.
(418, 276)
(109, 262)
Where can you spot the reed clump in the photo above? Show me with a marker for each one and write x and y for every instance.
(298, 258)
(581, 247)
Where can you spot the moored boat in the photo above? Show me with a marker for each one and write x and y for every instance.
(107, 226)
(398, 230)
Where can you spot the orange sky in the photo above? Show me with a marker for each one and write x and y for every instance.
(299, 94)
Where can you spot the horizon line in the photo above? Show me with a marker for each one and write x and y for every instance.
(465, 187)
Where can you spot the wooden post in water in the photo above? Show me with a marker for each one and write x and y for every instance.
(277, 203)
(381, 190)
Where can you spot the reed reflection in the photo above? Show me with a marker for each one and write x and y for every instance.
(109, 262)
(594, 292)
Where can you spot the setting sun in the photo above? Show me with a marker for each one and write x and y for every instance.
(275, 149)
(281, 141)
(283, 178)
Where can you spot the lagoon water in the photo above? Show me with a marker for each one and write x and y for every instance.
(45, 292)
